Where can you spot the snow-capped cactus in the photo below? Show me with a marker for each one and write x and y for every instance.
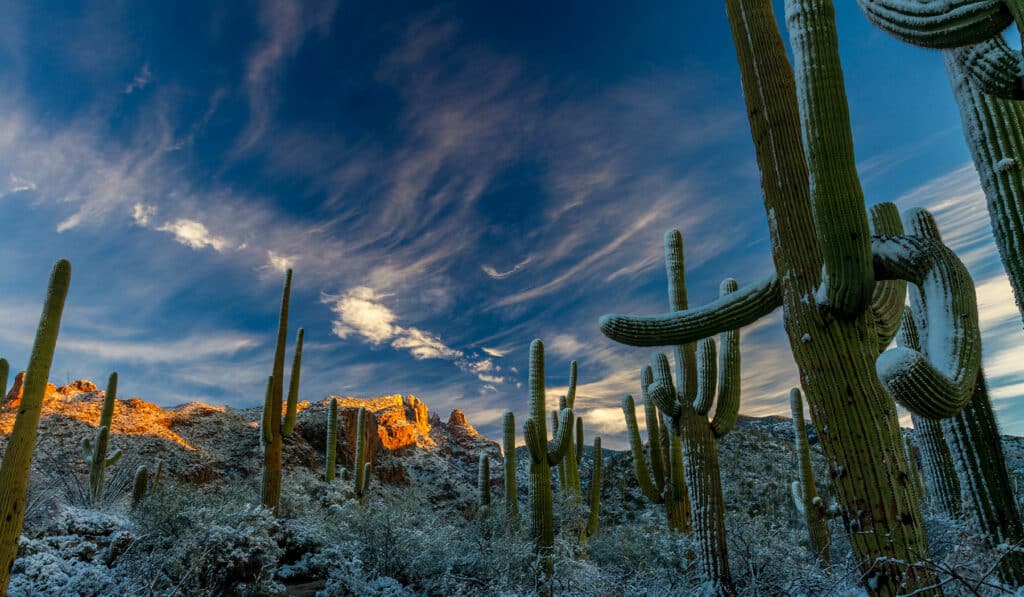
(95, 451)
(805, 490)
(836, 356)
(17, 460)
(272, 429)
(483, 483)
(332, 441)
(890, 295)
(508, 462)
(939, 23)
(360, 467)
(661, 481)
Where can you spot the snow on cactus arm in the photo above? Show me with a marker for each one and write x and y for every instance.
(940, 384)
(890, 295)
(995, 67)
(740, 308)
(837, 199)
(938, 23)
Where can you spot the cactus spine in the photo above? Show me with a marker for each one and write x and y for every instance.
(95, 451)
(508, 450)
(836, 352)
(273, 431)
(483, 483)
(332, 440)
(17, 461)
(361, 468)
(805, 491)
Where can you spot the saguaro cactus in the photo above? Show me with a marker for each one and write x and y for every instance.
(361, 468)
(568, 468)
(140, 485)
(483, 482)
(273, 431)
(850, 397)
(5, 370)
(332, 440)
(508, 451)
(17, 462)
(805, 490)
(95, 451)
(662, 482)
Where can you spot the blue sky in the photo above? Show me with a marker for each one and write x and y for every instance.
(448, 183)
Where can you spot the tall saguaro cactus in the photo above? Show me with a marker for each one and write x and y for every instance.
(17, 461)
(805, 490)
(508, 452)
(361, 468)
(273, 431)
(95, 450)
(332, 441)
(850, 395)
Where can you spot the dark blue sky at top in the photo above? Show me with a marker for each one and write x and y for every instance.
(448, 183)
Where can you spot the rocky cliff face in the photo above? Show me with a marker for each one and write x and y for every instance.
(199, 442)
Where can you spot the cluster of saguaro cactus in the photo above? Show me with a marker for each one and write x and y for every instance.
(361, 468)
(805, 491)
(543, 455)
(17, 461)
(508, 462)
(95, 450)
(826, 267)
(272, 430)
(332, 441)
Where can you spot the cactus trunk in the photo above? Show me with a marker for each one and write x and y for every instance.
(508, 450)
(332, 441)
(17, 461)
(483, 482)
(361, 467)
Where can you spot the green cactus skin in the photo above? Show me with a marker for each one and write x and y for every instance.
(542, 457)
(673, 493)
(915, 470)
(943, 486)
(805, 491)
(508, 451)
(568, 468)
(95, 452)
(17, 461)
(890, 295)
(595, 493)
(483, 483)
(974, 443)
(361, 468)
(332, 440)
(273, 430)
(5, 369)
(140, 485)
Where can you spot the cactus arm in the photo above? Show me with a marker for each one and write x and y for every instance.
(837, 199)
(5, 369)
(17, 460)
(266, 430)
(508, 451)
(570, 395)
(636, 446)
(107, 413)
(563, 437)
(86, 445)
(994, 67)
(293, 387)
(707, 372)
(484, 482)
(658, 451)
(563, 479)
(367, 470)
(890, 295)
(741, 308)
(685, 352)
(661, 391)
(805, 491)
(595, 492)
(112, 459)
(728, 407)
(939, 385)
(939, 24)
(535, 444)
(579, 440)
(332, 441)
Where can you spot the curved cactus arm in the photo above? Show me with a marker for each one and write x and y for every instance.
(293, 387)
(890, 295)
(636, 446)
(267, 430)
(655, 431)
(535, 444)
(662, 391)
(579, 440)
(937, 386)
(5, 370)
(707, 376)
(939, 23)
(595, 492)
(995, 67)
(837, 199)
(728, 406)
(570, 396)
(107, 413)
(112, 459)
(743, 307)
(563, 437)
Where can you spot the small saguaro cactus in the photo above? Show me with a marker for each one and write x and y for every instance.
(667, 487)
(332, 440)
(508, 451)
(361, 468)
(273, 431)
(483, 483)
(17, 461)
(95, 451)
(805, 490)
(140, 485)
